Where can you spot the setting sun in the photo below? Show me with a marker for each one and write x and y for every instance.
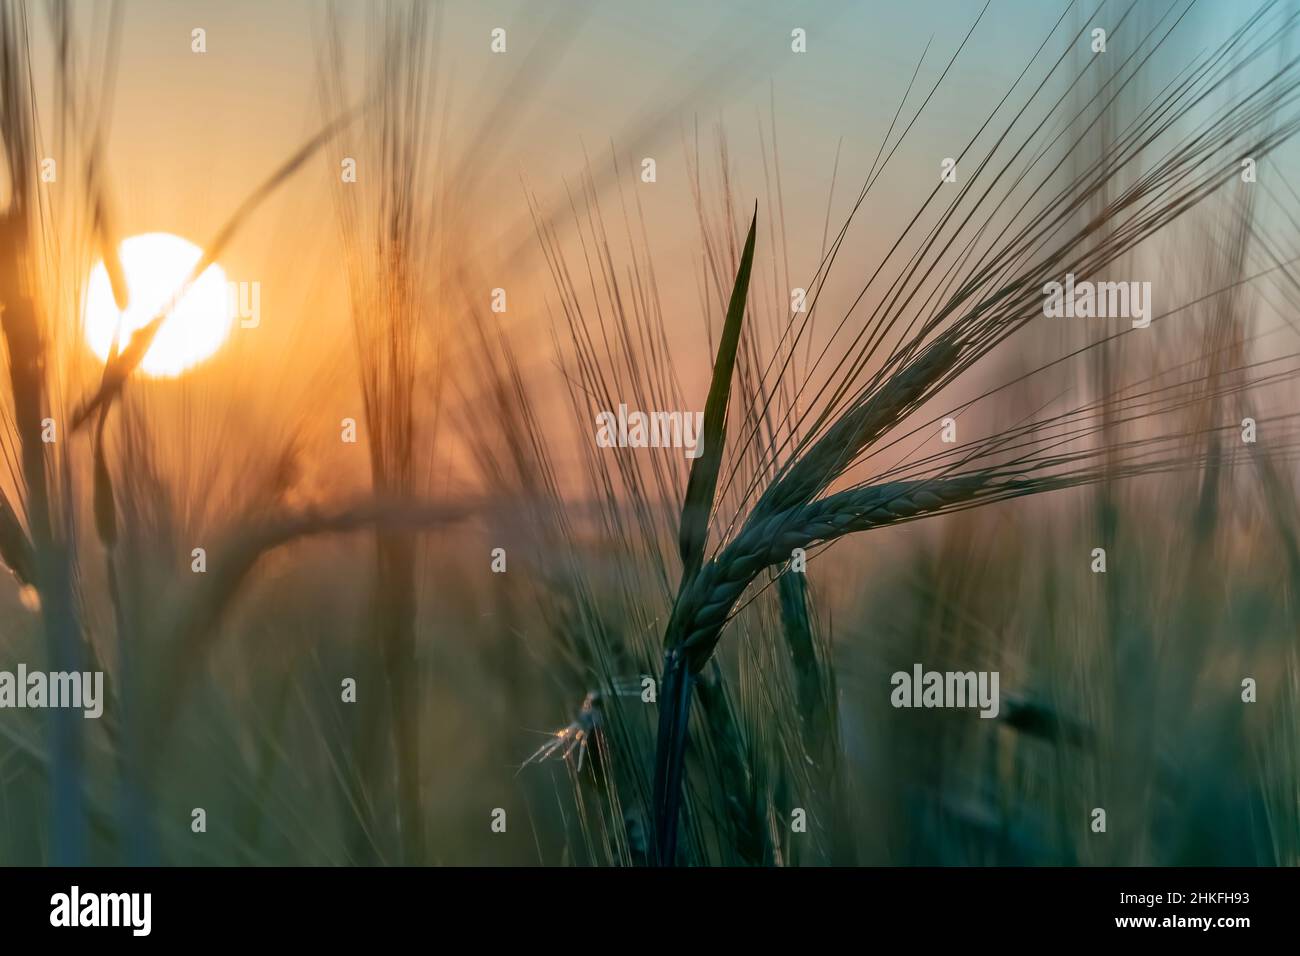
(155, 265)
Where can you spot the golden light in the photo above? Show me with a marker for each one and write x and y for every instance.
(155, 265)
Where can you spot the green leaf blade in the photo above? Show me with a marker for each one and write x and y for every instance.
(703, 482)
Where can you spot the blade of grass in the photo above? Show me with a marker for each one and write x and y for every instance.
(703, 483)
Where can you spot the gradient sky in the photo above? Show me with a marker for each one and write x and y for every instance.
(192, 135)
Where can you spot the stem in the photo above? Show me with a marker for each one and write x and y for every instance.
(670, 753)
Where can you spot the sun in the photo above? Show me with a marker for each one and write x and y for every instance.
(155, 265)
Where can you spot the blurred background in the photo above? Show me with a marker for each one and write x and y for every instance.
(479, 689)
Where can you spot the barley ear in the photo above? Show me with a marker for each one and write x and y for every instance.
(703, 483)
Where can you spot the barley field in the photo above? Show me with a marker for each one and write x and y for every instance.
(608, 434)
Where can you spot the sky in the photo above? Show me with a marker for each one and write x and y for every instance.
(192, 134)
